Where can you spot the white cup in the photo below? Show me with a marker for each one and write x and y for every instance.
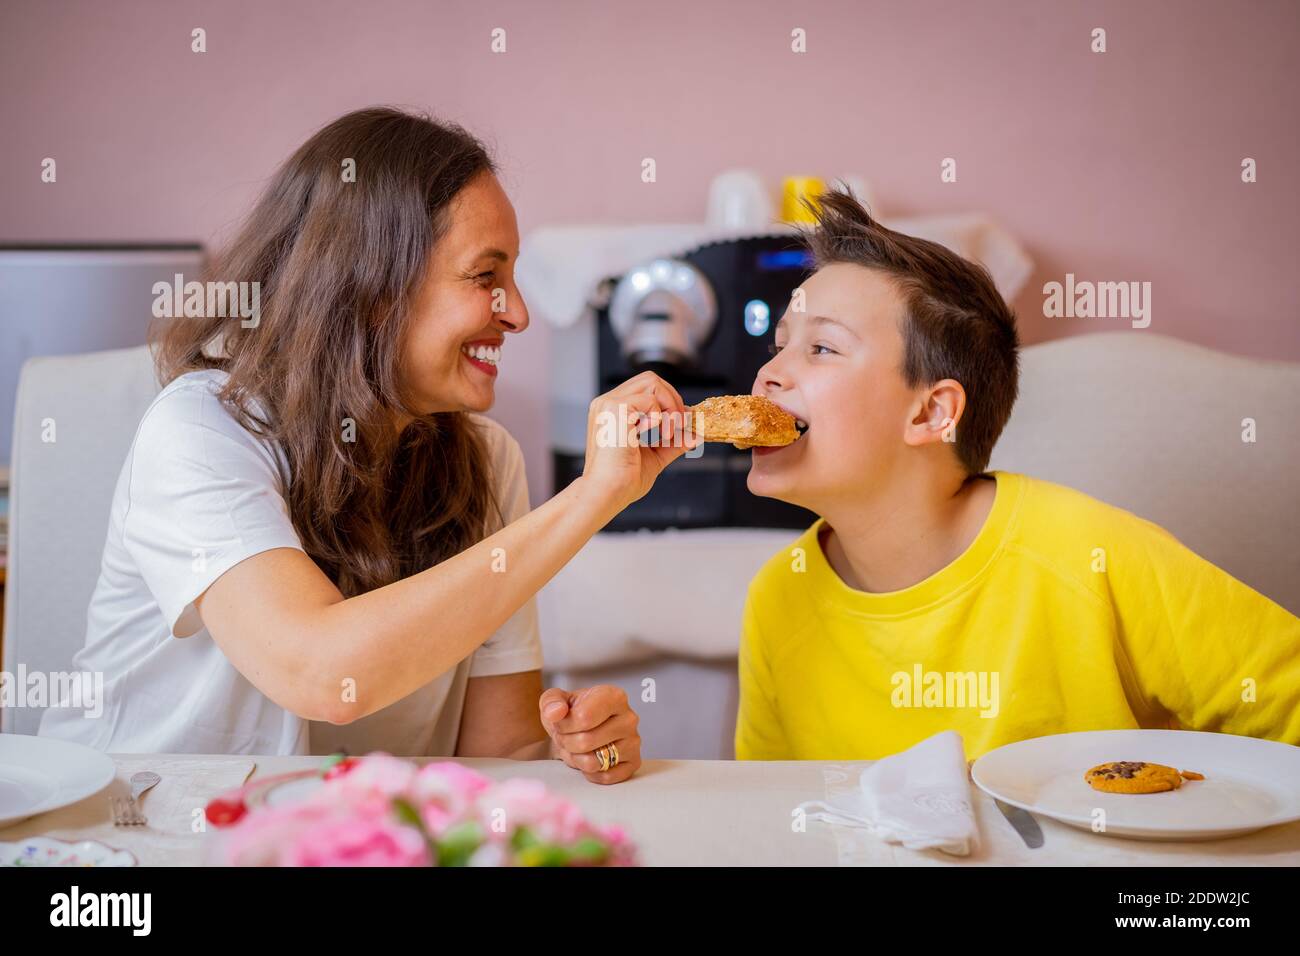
(738, 199)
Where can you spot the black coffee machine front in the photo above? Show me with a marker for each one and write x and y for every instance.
(703, 321)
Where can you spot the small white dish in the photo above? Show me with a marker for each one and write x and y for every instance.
(47, 851)
(1249, 783)
(38, 774)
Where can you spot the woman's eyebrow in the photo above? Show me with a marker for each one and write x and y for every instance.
(490, 253)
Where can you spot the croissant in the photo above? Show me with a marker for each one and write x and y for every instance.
(743, 420)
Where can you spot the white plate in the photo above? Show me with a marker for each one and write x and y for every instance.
(1249, 783)
(44, 773)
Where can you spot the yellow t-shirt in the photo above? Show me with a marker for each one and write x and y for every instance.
(1064, 614)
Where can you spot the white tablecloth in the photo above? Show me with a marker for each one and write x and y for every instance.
(680, 812)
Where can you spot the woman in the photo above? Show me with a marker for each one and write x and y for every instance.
(315, 544)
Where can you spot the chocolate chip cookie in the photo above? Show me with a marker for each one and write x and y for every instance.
(1136, 776)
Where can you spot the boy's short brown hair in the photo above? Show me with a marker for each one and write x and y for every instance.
(957, 326)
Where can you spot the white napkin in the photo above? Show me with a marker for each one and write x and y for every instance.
(919, 798)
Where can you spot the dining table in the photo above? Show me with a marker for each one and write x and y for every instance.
(677, 812)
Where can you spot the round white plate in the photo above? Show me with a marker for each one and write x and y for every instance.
(43, 773)
(1249, 783)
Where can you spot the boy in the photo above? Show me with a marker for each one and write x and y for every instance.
(933, 595)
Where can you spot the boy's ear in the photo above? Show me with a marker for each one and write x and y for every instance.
(936, 417)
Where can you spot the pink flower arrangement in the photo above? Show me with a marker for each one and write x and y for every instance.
(379, 810)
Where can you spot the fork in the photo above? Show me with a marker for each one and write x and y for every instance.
(126, 813)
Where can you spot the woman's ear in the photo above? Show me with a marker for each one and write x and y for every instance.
(937, 414)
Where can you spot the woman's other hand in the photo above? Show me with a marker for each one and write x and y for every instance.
(581, 722)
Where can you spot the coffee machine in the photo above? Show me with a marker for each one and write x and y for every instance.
(703, 321)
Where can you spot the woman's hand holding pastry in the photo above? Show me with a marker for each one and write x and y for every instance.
(618, 465)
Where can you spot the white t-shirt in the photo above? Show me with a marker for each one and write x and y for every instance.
(198, 494)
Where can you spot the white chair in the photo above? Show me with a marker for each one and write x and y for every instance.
(1155, 425)
(59, 499)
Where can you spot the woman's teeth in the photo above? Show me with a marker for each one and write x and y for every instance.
(800, 426)
(484, 353)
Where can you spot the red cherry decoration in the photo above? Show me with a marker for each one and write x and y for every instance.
(222, 812)
(341, 768)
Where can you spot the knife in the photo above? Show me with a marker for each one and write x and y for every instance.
(1024, 824)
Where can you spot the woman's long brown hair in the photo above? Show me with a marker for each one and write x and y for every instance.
(338, 262)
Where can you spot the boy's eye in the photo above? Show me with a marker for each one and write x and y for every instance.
(773, 348)
(485, 278)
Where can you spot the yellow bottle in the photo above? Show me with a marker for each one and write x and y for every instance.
(795, 188)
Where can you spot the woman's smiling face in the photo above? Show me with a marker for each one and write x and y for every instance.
(455, 338)
(838, 368)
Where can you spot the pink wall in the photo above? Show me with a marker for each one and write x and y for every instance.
(1120, 166)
